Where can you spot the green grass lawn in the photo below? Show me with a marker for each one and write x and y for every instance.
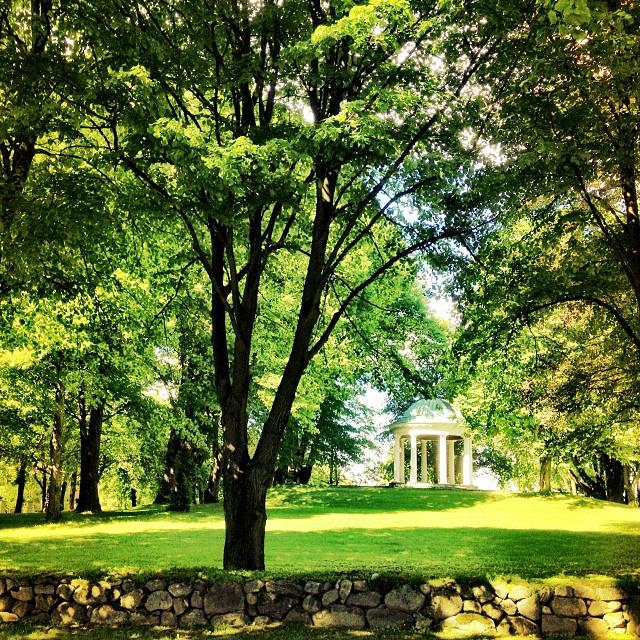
(414, 532)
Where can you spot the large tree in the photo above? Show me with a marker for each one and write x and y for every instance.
(302, 128)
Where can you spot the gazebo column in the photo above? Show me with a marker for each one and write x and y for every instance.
(413, 468)
(442, 459)
(467, 463)
(423, 462)
(398, 471)
(451, 469)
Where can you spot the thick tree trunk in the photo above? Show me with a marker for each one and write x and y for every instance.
(545, 475)
(90, 439)
(245, 496)
(54, 494)
(21, 481)
(614, 473)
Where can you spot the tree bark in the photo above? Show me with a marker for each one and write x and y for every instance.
(614, 474)
(245, 513)
(21, 481)
(72, 490)
(212, 492)
(54, 494)
(168, 477)
(545, 475)
(90, 440)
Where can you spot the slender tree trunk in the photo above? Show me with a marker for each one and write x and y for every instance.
(21, 481)
(212, 492)
(72, 490)
(545, 475)
(614, 474)
(43, 489)
(168, 478)
(63, 494)
(54, 494)
(90, 439)
(134, 497)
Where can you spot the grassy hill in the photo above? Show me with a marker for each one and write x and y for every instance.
(436, 532)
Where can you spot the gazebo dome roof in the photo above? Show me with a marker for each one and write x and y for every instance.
(434, 415)
(434, 410)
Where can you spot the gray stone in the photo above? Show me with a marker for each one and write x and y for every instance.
(140, 619)
(252, 598)
(193, 618)
(260, 621)
(168, 619)
(545, 594)
(179, 589)
(235, 619)
(82, 592)
(344, 589)
(615, 620)
(311, 604)
(157, 584)
(367, 599)
(330, 597)
(599, 607)
(425, 588)
(7, 617)
(3, 586)
(339, 615)
(445, 605)
(557, 625)
(197, 601)
(594, 627)
(517, 625)
(106, 614)
(519, 592)
(298, 616)
(423, 623)
(482, 593)
(132, 599)
(490, 610)
(128, 585)
(22, 609)
(501, 589)
(592, 592)
(284, 588)
(180, 605)
(69, 613)
(44, 602)
(569, 607)
(24, 594)
(404, 598)
(5, 603)
(224, 597)
(509, 607)
(313, 588)
(253, 586)
(471, 606)
(530, 608)
(44, 589)
(384, 618)
(274, 606)
(547, 609)
(360, 585)
(470, 623)
(159, 601)
(564, 591)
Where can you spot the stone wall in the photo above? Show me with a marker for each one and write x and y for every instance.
(501, 608)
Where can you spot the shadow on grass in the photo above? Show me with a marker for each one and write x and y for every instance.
(472, 552)
(288, 632)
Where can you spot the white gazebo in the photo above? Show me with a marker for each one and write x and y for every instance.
(434, 424)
